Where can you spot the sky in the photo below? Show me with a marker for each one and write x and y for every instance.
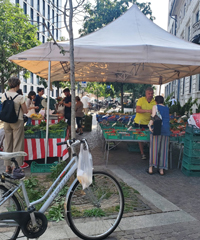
(159, 11)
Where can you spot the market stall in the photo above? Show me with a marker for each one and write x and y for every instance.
(34, 142)
(117, 128)
(135, 50)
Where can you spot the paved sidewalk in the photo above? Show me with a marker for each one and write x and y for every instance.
(177, 196)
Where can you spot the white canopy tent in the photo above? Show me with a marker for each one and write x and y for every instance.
(131, 49)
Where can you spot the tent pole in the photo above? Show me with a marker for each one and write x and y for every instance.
(160, 82)
(47, 114)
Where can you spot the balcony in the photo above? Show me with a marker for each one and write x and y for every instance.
(195, 36)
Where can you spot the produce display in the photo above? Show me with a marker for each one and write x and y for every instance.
(177, 128)
(36, 116)
(55, 130)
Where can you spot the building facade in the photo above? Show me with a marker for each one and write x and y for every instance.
(183, 21)
(41, 11)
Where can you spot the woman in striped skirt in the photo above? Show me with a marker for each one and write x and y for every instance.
(159, 144)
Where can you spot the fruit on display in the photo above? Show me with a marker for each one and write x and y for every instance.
(36, 116)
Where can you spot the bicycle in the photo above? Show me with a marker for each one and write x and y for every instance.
(93, 213)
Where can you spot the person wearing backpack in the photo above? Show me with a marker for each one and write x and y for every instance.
(12, 112)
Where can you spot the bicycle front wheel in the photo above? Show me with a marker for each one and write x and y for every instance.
(95, 212)
(8, 231)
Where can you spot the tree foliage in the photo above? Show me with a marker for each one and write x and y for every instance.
(17, 35)
(100, 89)
(105, 11)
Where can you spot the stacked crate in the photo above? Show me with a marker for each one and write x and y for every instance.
(191, 152)
(87, 123)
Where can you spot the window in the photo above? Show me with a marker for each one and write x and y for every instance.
(169, 88)
(57, 93)
(31, 16)
(16, 1)
(43, 39)
(48, 25)
(31, 88)
(197, 16)
(24, 89)
(38, 36)
(48, 12)
(184, 10)
(183, 90)
(53, 30)
(24, 79)
(25, 8)
(57, 3)
(52, 93)
(38, 5)
(43, 8)
(38, 79)
(57, 20)
(52, 16)
(32, 78)
(32, 3)
(188, 38)
(56, 34)
(43, 26)
(38, 20)
(190, 84)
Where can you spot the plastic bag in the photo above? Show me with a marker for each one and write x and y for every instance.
(195, 120)
(85, 166)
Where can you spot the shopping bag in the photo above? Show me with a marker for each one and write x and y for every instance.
(157, 123)
(61, 109)
(195, 120)
(85, 166)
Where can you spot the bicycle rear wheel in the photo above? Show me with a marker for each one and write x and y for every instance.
(95, 212)
(12, 204)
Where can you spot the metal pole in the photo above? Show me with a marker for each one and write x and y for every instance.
(47, 113)
(160, 82)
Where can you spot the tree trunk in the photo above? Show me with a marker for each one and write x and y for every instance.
(122, 97)
(133, 101)
(72, 77)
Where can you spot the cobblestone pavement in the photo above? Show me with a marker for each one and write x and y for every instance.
(182, 191)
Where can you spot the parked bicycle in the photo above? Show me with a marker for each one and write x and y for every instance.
(93, 213)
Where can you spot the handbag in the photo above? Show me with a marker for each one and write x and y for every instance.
(157, 123)
(60, 109)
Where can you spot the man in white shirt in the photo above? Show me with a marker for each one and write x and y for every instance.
(173, 100)
(86, 103)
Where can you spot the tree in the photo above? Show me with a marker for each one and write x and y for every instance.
(17, 35)
(99, 89)
(105, 11)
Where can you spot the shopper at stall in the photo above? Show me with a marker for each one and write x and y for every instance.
(14, 132)
(143, 113)
(86, 103)
(30, 104)
(79, 115)
(38, 99)
(159, 144)
(67, 103)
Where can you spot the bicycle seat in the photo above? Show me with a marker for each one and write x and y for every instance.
(7, 155)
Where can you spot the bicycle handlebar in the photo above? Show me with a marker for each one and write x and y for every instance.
(70, 142)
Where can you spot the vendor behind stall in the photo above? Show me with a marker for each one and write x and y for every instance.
(38, 99)
(143, 113)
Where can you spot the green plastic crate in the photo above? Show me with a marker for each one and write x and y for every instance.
(134, 147)
(58, 134)
(190, 173)
(143, 136)
(191, 144)
(33, 135)
(112, 136)
(192, 137)
(191, 152)
(42, 168)
(191, 160)
(189, 166)
(181, 139)
(192, 130)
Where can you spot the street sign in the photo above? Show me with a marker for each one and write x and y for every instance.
(83, 84)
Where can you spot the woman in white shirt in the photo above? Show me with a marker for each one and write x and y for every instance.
(14, 132)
